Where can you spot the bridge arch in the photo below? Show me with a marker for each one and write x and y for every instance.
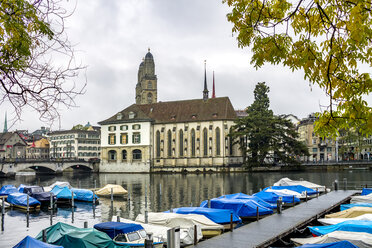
(77, 166)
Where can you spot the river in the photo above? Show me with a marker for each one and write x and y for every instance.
(164, 191)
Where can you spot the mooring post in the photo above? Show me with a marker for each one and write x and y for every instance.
(317, 192)
(258, 215)
(209, 203)
(345, 183)
(79, 184)
(306, 196)
(51, 200)
(95, 184)
(94, 198)
(28, 203)
(250, 192)
(149, 242)
(279, 205)
(293, 201)
(117, 218)
(160, 189)
(128, 194)
(195, 234)
(146, 217)
(112, 195)
(72, 199)
(44, 235)
(231, 221)
(85, 224)
(336, 185)
(3, 206)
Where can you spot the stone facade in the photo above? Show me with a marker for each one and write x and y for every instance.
(147, 83)
(12, 146)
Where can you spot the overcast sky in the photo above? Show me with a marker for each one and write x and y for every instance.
(112, 37)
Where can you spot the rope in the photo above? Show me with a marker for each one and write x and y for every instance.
(300, 230)
(286, 243)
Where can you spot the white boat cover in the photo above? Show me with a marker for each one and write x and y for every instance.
(59, 183)
(351, 212)
(361, 198)
(174, 219)
(286, 192)
(160, 231)
(333, 221)
(360, 239)
(288, 182)
(116, 190)
(186, 225)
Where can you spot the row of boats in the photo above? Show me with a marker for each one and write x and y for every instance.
(59, 193)
(210, 219)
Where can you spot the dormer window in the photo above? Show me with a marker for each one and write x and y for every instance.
(173, 117)
(214, 115)
(193, 116)
(119, 116)
(131, 115)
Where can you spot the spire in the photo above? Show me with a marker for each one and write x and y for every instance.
(205, 91)
(214, 90)
(5, 125)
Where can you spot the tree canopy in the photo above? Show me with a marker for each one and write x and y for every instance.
(330, 40)
(265, 138)
(37, 67)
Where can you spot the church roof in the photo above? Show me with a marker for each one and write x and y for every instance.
(177, 111)
(149, 56)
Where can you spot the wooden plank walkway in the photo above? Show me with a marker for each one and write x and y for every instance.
(266, 231)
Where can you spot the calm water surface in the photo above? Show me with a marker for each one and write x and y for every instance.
(164, 191)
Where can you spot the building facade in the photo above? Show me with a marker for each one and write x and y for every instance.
(38, 149)
(12, 146)
(168, 136)
(75, 144)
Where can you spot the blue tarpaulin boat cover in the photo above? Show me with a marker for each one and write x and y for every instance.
(366, 191)
(243, 196)
(30, 242)
(296, 188)
(20, 199)
(349, 225)
(243, 208)
(219, 216)
(62, 192)
(21, 187)
(362, 204)
(8, 189)
(272, 197)
(84, 195)
(339, 244)
(113, 229)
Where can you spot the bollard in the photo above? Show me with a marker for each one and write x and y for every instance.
(51, 201)
(72, 199)
(258, 214)
(195, 234)
(336, 185)
(112, 195)
(149, 242)
(85, 224)
(293, 201)
(146, 217)
(231, 222)
(117, 218)
(306, 196)
(345, 183)
(279, 205)
(28, 203)
(44, 235)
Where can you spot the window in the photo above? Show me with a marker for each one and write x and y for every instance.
(193, 142)
(329, 149)
(149, 85)
(315, 150)
(137, 154)
(124, 154)
(136, 127)
(180, 143)
(124, 138)
(136, 138)
(169, 143)
(112, 155)
(149, 98)
(205, 141)
(218, 142)
(112, 139)
(158, 144)
(123, 127)
(131, 115)
(110, 128)
(119, 116)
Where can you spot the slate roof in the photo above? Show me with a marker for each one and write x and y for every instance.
(178, 111)
(4, 137)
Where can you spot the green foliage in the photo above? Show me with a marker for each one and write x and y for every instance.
(330, 40)
(79, 127)
(263, 137)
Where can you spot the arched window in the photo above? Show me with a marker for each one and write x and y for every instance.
(218, 141)
(169, 139)
(158, 144)
(193, 142)
(181, 143)
(205, 141)
(149, 98)
(112, 155)
(149, 85)
(124, 154)
(137, 154)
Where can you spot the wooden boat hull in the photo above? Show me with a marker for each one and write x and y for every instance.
(209, 233)
(31, 208)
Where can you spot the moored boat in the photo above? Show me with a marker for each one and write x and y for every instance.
(57, 183)
(29, 242)
(361, 204)
(84, 195)
(298, 190)
(360, 239)
(8, 189)
(287, 182)
(273, 197)
(130, 234)
(349, 225)
(19, 200)
(117, 190)
(366, 191)
(338, 244)
(243, 196)
(350, 213)
(64, 195)
(38, 193)
(332, 221)
(361, 198)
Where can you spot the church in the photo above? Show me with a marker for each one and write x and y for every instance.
(174, 136)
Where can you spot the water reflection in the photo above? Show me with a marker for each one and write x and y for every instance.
(164, 191)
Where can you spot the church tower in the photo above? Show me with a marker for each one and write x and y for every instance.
(147, 83)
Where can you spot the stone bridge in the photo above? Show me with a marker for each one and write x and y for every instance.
(10, 168)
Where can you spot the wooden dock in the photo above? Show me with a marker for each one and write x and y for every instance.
(268, 230)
